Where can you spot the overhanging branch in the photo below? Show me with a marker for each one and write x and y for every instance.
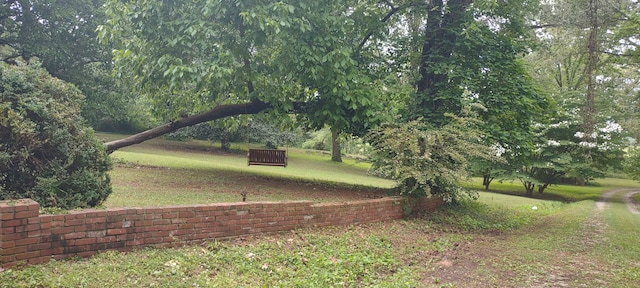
(218, 112)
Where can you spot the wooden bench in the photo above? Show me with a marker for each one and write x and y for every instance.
(267, 157)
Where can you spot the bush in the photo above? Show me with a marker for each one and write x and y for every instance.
(46, 151)
(426, 160)
(319, 140)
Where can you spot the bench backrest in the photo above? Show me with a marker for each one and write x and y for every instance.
(269, 157)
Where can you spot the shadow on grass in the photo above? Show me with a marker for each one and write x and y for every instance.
(536, 195)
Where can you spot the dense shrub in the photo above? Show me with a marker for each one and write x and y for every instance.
(46, 151)
(426, 160)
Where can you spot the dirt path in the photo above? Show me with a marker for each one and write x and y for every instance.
(567, 261)
(627, 198)
(604, 198)
(631, 205)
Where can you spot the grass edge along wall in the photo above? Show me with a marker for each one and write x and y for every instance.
(26, 237)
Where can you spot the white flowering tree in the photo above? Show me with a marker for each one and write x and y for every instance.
(566, 153)
(500, 167)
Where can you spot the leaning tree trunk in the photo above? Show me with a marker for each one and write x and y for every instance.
(335, 145)
(218, 112)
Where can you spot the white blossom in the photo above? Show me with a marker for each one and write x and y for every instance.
(588, 144)
(498, 149)
(563, 124)
(611, 127)
(553, 143)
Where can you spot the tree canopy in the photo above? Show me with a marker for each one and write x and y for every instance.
(212, 59)
(62, 37)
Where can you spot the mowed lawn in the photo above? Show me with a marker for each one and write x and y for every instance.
(497, 241)
(162, 172)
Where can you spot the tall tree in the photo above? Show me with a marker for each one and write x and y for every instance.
(579, 65)
(470, 52)
(62, 36)
(336, 154)
(60, 33)
(212, 59)
(583, 30)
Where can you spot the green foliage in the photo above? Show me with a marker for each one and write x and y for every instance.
(46, 152)
(260, 131)
(470, 54)
(631, 163)
(229, 130)
(62, 36)
(427, 160)
(628, 31)
(110, 105)
(565, 153)
(566, 69)
(193, 55)
(319, 140)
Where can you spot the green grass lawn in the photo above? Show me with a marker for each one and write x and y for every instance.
(197, 172)
(162, 172)
(303, 164)
(512, 201)
(556, 192)
(621, 250)
(162, 186)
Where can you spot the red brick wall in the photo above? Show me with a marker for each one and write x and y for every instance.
(27, 237)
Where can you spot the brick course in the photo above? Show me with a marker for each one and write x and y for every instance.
(29, 238)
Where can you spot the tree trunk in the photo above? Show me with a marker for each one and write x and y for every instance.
(589, 109)
(221, 111)
(225, 144)
(528, 186)
(486, 181)
(542, 187)
(335, 145)
(441, 31)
